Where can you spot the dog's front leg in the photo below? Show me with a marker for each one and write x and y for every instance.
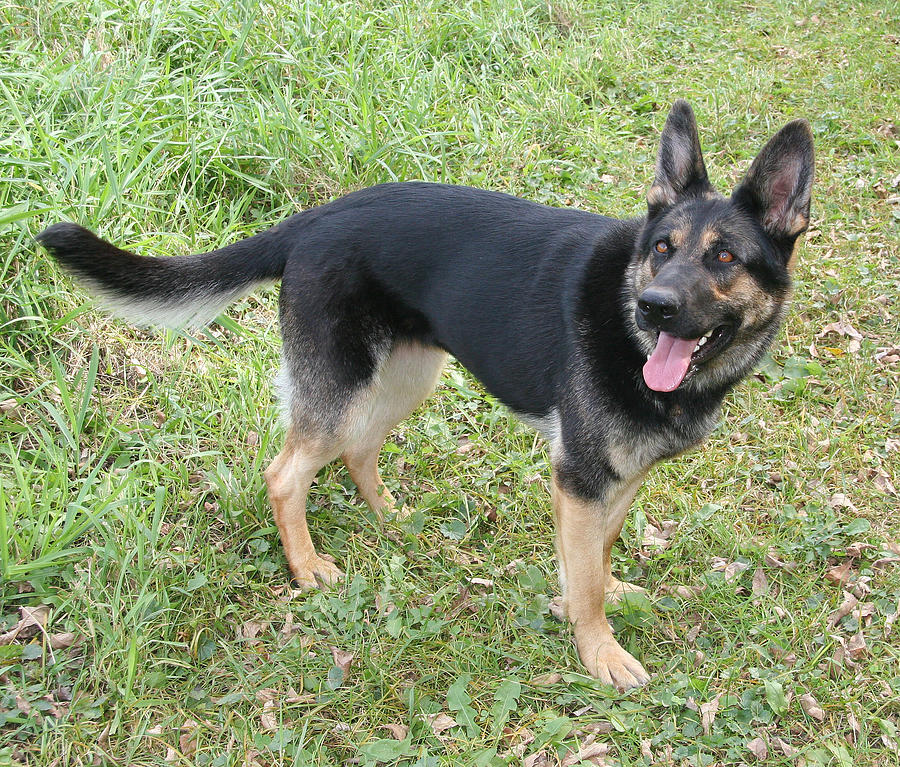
(585, 531)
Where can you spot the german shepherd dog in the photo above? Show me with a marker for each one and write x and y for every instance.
(616, 339)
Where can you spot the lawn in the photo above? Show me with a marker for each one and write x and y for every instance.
(145, 613)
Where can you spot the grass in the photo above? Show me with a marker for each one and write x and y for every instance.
(132, 506)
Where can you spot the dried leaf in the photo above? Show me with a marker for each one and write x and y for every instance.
(840, 500)
(63, 640)
(708, 713)
(758, 748)
(398, 731)
(772, 561)
(840, 328)
(538, 759)
(839, 574)
(786, 748)
(844, 610)
(187, 741)
(249, 630)
(857, 646)
(342, 660)
(518, 739)
(23, 705)
(811, 707)
(266, 694)
(658, 537)
(546, 680)
(854, 727)
(687, 592)
(760, 582)
(590, 752)
(269, 717)
(32, 620)
(302, 697)
(441, 722)
(692, 635)
(729, 569)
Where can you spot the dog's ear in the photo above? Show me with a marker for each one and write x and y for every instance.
(679, 165)
(778, 187)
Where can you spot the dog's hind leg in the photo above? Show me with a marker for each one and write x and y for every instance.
(289, 478)
(584, 532)
(405, 378)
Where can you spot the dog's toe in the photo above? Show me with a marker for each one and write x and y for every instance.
(316, 572)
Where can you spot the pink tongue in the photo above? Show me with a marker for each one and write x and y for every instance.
(669, 363)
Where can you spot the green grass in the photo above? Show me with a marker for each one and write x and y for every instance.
(132, 503)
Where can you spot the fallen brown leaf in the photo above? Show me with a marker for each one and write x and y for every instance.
(546, 680)
(440, 722)
(729, 569)
(844, 610)
(708, 713)
(299, 697)
(786, 748)
(187, 741)
(857, 646)
(63, 640)
(517, 739)
(758, 748)
(760, 582)
(772, 561)
(839, 574)
(398, 731)
(248, 631)
(840, 328)
(32, 621)
(342, 660)
(269, 717)
(590, 751)
(538, 759)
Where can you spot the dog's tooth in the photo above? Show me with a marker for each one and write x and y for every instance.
(707, 335)
(701, 342)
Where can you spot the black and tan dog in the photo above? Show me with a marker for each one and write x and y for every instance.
(617, 339)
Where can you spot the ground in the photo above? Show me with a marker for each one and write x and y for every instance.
(145, 614)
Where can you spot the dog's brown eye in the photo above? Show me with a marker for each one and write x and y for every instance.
(726, 257)
(661, 246)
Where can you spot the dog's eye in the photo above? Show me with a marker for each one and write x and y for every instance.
(661, 246)
(725, 256)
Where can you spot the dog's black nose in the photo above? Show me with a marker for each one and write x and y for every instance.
(658, 304)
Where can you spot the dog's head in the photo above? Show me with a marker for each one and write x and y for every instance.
(709, 285)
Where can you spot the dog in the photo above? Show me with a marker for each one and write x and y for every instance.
(617, 339)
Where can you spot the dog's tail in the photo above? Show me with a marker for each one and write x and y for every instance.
(181, 291)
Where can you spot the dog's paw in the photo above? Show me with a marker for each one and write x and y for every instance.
(316, 572)
(605, 660)
(616, 589)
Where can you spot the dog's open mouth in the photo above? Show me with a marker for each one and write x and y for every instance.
(674, 359)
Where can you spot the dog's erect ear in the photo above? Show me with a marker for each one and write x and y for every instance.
(778, 187)
(679, 165)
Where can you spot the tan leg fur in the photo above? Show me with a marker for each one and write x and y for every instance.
(406, 377)
(585, 532)
(289, 479)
